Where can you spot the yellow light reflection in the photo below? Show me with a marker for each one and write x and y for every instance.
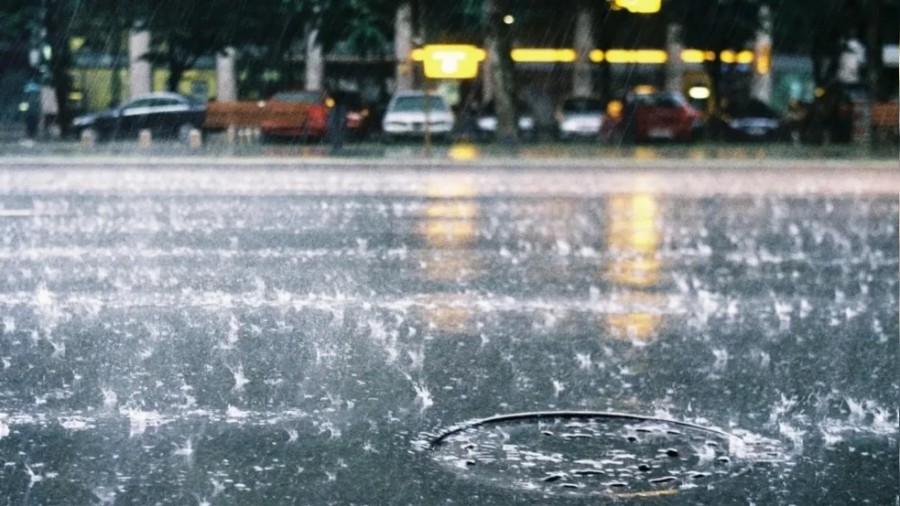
(727, 56)
(449, 312)
(463, 152)
(543, 55)
(633, 237)
(642, 321)
(449, 225)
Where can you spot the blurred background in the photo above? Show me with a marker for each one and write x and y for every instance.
(806, 71)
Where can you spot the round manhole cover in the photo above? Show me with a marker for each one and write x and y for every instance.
(596, 453)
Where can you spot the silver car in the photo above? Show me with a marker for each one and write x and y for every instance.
(408, 112)
(580, 117)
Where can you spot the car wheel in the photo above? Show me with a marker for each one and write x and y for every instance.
(91, 132)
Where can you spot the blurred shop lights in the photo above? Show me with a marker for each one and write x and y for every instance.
(461, 61)
(450, 61)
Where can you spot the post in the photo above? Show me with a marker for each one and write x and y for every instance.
(762, 77)
(427, 124)
(225, 80)
(403, 46)
(315, 63)
(582, 82)
(140, 74)
(674, 67)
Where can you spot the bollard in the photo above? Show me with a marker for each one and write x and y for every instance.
(230, 134)
(88, 138)
(195, 139)
(145, 138)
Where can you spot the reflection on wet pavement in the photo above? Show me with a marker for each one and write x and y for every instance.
(238, 337)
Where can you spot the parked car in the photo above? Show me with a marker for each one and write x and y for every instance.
(487, 121)
(311, 125)
(750, 120)
(580, 117)
(659, 115)
(407, 112)
(164, 114)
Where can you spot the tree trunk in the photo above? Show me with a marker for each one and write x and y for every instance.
(403, 46)
(315, 62)
(498, 46)
(582, 82)
(56, 22)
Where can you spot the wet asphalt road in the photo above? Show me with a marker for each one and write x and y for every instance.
(256, 333)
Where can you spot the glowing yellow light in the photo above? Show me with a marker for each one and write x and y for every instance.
(644, 89)
(543, 55)
(638, 6)
(820, 92)
(596, 55)
(709, 55)
(614, 108)
(75, 95)
(693, 56)
(23, 107)
(745, 57)
(418, 54)
(463, 152)
(450, 61)
(508, 19)
(699, 92)
(727, 56)
(763, 59)
(76, 43)
(329, 102)
(650, 56)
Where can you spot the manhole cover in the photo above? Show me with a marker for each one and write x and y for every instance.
(596, 453)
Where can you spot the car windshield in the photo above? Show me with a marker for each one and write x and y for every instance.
(417, 103)
(298, 97)
(582, 105)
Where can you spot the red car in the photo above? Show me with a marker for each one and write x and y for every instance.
(654, 116)
(284, 118)
(308, 114)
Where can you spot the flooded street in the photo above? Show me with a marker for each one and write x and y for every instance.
(247, 334)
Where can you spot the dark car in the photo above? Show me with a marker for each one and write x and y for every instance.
(356, 112)
(164, 114)
(487, 121)
(748, 121)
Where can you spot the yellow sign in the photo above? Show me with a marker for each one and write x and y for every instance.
(450, 61)
(638, 6)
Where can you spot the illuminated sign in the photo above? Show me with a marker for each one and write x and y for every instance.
(638, 6)
(450, 61)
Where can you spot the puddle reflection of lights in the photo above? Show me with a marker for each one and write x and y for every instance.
(633, 241)
(448, 312)
(643, 322)
(463, 152)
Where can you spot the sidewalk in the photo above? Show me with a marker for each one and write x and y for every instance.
(548, 153)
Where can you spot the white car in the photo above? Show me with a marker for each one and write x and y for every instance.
(580, 117)
(406, 115)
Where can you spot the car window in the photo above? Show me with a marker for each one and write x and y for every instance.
(417, 104)
(142, 102)
(166, 102)
(582, 105)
